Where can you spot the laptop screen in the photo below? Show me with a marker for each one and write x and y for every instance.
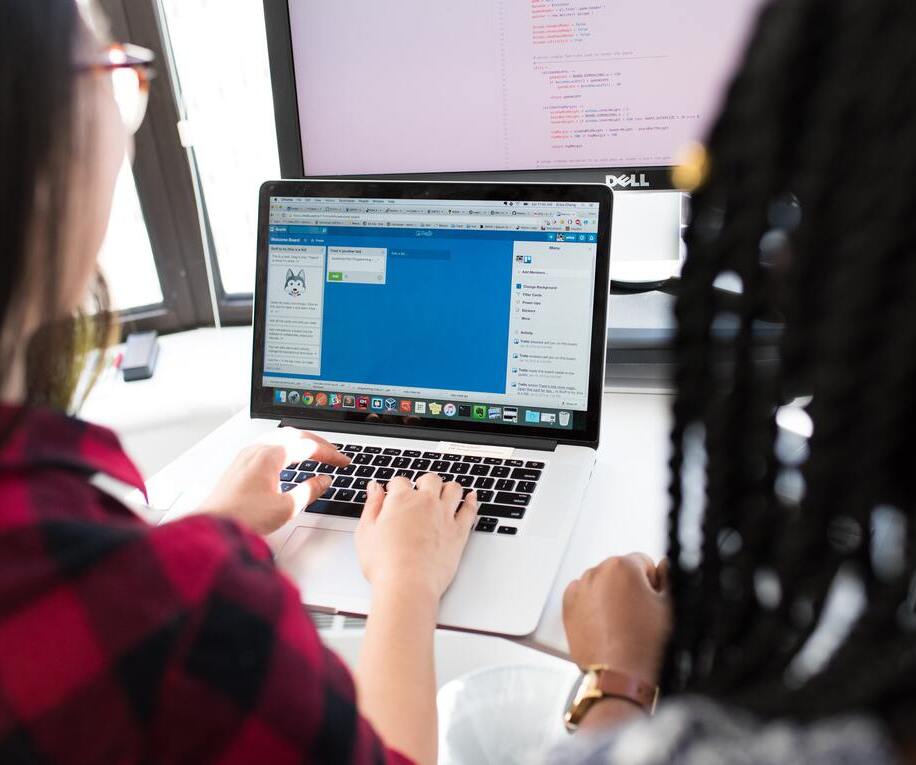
(461, 311)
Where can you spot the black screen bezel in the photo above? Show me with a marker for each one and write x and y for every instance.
(262, 402)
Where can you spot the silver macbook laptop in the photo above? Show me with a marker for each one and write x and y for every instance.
(457, 329)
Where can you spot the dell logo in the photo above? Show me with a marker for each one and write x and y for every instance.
(632, 181)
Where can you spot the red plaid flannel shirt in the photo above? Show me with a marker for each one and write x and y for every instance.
(122, 642)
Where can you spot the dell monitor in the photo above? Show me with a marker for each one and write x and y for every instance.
(577, 91)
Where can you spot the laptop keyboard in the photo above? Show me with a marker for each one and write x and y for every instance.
(504, 487)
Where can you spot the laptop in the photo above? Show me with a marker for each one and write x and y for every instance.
(452, 328)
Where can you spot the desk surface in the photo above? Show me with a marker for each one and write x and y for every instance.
(625, 504)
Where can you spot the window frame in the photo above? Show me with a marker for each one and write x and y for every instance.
(165, 186)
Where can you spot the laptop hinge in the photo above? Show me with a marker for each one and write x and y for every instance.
(423, 434)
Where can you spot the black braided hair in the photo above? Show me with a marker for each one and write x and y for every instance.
(793, 570)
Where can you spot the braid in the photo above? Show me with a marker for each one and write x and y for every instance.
(827, 93)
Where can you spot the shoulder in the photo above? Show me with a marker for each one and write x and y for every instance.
(694, 731)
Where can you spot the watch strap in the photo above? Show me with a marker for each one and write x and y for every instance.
(612, 684)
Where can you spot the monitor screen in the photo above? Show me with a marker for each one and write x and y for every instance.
(409, 86)
(461, 311)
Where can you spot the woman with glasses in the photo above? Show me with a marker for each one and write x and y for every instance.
(121, 642)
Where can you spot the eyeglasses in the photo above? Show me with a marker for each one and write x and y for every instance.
(131, 71)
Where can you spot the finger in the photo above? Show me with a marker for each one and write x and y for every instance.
(645, 564)
(451, 494)
(467, 511)
(399, 485)
(430, 483)
(307, 492)
(374, 500)
(301, 445)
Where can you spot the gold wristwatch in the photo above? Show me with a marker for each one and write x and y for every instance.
(599, 681)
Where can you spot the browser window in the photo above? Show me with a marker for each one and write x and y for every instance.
(465, 310)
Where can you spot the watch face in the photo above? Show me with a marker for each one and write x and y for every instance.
(579, 699)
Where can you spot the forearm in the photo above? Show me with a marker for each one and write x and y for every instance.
(396, 674)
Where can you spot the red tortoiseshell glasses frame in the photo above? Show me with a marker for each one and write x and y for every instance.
(131, 71)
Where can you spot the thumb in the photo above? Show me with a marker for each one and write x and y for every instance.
(306, 493)
(374, 500)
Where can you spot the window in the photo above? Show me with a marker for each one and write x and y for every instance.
(127, 255)
(224, 83)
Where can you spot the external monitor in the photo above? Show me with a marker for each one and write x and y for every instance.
(607, 91)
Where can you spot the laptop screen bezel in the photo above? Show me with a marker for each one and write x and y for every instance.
(262, 399)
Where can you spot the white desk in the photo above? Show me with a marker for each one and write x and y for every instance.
(624, 511)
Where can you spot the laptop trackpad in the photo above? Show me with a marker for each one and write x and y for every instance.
(323, 563)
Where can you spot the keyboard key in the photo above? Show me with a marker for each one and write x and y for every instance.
(432, 456)
(508, 530)
(515, 463)
(362, 459)
(309, 466)
(483, 518)
(501, 472)
(535, 465)
(492, 461)
(420, 465)
(360, 498)
(294, 466)
(459, 468)
(302, 477)
(464, 480)
(392, 452)
(452, 457)
(360, 484)
(526, 487)
(522, 474)
(480, 470)
(446, 477)
(287, 475)
(338, 446)
(408, 474)
(285, 487)
(483, 483)
(439, 466)
(382, 461)
(326, 507)
(342, 482)
(365, 471)
(472, 459)
(347, 469)
(329, 494)
(384, 474)
(486, 528)
(411, 453)
(345, 495)
(484, 495)
(513, 498)
(348, 455)
(502, 511)
(325, 469)
(401, 462)
(352, 448)
(505, 484)
(372, 450)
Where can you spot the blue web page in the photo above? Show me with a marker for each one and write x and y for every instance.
(440, 320)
